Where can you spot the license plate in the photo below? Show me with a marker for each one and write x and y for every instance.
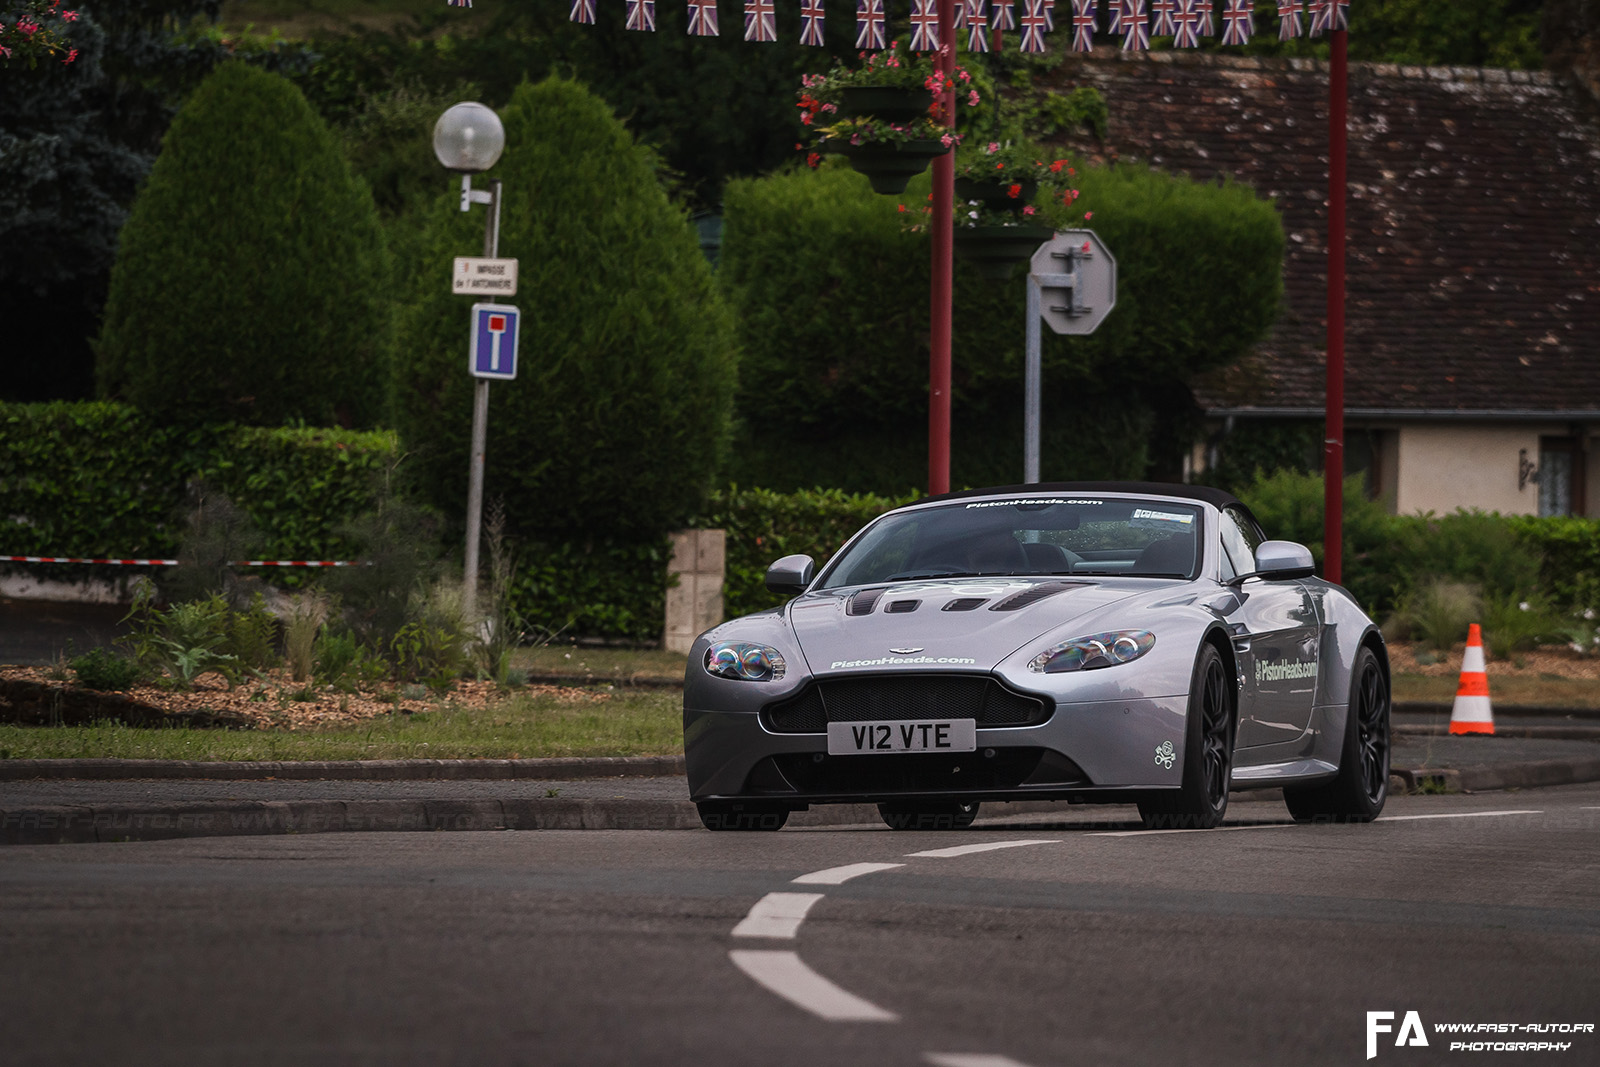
(900, 735)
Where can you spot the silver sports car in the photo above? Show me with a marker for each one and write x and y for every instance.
(1089, 642)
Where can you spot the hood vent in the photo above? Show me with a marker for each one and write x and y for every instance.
(1034, 594)
(900, 607)
(863, 602)
(966, 603)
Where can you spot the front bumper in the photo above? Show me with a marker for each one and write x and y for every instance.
(1101, 750)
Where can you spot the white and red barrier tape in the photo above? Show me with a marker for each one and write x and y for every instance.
(174, 563)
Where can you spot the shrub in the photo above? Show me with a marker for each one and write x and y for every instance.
(1517, 624)
(831, 290)
(1436, 613)
(618, 418)
(221, 306)
(1291, 506)
(101, 668)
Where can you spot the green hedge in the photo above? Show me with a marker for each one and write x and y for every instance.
(101, 479)
(831, 291)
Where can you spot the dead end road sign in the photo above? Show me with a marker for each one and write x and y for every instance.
(493, 350)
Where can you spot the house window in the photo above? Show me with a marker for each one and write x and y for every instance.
(1560, 476)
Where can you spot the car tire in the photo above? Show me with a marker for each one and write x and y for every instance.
(1209, 730)
(742, 815)
(926, 815)
(1359, 792)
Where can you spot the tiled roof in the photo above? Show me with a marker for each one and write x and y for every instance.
(1473, 221)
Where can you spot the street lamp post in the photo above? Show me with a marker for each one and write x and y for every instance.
(468, 138)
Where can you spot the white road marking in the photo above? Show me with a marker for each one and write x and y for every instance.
(840, 875)
(1455, 815)
(967, 850)
(1218, 830)
(786, 975)
(776, 915)
(970, 1059)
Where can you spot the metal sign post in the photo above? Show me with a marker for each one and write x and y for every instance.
(1072, 285)
(480, 418)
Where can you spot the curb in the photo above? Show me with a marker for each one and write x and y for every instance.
(95, 823)
(395, 770)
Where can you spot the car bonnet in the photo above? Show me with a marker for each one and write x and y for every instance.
(956, 624)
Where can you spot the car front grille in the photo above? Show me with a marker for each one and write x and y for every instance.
(927, 696)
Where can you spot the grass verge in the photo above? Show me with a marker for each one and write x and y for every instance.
(629, 723)
(1509, 690)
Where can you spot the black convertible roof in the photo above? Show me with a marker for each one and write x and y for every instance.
(1215, 497)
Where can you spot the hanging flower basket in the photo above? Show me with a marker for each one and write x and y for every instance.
(1008, 196)
(997, 249)
(889, 103)
(890, 165)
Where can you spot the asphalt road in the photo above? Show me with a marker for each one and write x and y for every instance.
(1262, 943)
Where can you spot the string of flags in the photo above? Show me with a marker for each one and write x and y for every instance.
(1185, 21)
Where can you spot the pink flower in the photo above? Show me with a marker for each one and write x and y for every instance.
(1086, 246)
(972, 97)
(994, 146)
(1029, 210)
(27, 29)
(947, 140)
(70, 16)
(71, 55)
(1087, 215)
(964, 76)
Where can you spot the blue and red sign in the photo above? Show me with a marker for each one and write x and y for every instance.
(494, 341)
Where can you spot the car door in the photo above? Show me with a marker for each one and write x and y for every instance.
(1275, 633)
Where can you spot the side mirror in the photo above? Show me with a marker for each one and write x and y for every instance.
(1284, 559)
(791, 574)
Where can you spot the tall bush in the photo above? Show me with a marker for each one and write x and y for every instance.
(252, 282)
(617, 420)
(831, 291)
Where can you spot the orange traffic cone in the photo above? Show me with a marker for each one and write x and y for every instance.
(1472, 713)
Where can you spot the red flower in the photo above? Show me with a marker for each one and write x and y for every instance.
(813, 159)
(1014, 192)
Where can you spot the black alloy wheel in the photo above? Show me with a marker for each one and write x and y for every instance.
(1362, 786)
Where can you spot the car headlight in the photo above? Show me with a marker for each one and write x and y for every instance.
(745, 661)
(1093, 652)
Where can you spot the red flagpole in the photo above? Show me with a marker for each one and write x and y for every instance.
(1333, 445)
(939, 316)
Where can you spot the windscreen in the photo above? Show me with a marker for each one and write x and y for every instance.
(1039, 535)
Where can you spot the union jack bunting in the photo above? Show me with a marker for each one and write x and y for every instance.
(1186, 25)
(1004, 16)
(811, 22)
(582, 11)
(1050, 15)
(1135, 27)
(457, 3)
(960, 15)
(924, 26)
(1083, 25)
(1207, 24)
(760, 21)
(642, 15)
(869, 24)
(702, 18)
(1161, 22)
(1316, 10)
(1114, 16)
(1289, 19)
(977, 25)
(1237, 22)
(1328, 15)
(1034, 22)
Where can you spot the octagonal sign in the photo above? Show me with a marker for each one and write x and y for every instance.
(1077, 276)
